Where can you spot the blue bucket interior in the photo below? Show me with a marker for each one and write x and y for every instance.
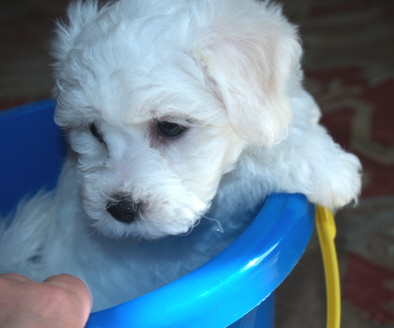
(233, 289)
(32, 150)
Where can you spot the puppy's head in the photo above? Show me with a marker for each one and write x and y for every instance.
(160, 98)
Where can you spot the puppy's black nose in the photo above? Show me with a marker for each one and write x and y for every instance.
(124, 211)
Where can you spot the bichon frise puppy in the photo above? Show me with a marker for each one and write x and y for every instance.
(171, 108)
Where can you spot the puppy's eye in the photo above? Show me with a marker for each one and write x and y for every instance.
(97, 134)
(170, 130)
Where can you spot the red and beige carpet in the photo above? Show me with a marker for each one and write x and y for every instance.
(349, 64)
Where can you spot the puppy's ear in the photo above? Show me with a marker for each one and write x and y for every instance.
(252, 54)
(78, 15)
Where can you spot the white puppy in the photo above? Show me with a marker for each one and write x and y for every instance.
(172, 108)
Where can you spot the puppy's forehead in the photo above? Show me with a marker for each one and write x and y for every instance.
(124, 77)
(132, 68)
(140, 96)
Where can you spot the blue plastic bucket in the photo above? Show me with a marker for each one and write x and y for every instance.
(233, 289)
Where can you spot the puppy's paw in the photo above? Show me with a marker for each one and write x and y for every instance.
(337, 181)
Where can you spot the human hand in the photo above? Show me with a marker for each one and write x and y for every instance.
(58, 302)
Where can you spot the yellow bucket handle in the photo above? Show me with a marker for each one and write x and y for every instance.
(326, 231)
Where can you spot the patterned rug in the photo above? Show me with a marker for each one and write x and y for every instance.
(349, 63)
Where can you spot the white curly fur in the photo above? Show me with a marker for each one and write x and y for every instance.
(228, 71)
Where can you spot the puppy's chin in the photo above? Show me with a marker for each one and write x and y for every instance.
(148, 225)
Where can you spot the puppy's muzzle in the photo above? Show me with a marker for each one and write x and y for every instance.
(125, 210)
